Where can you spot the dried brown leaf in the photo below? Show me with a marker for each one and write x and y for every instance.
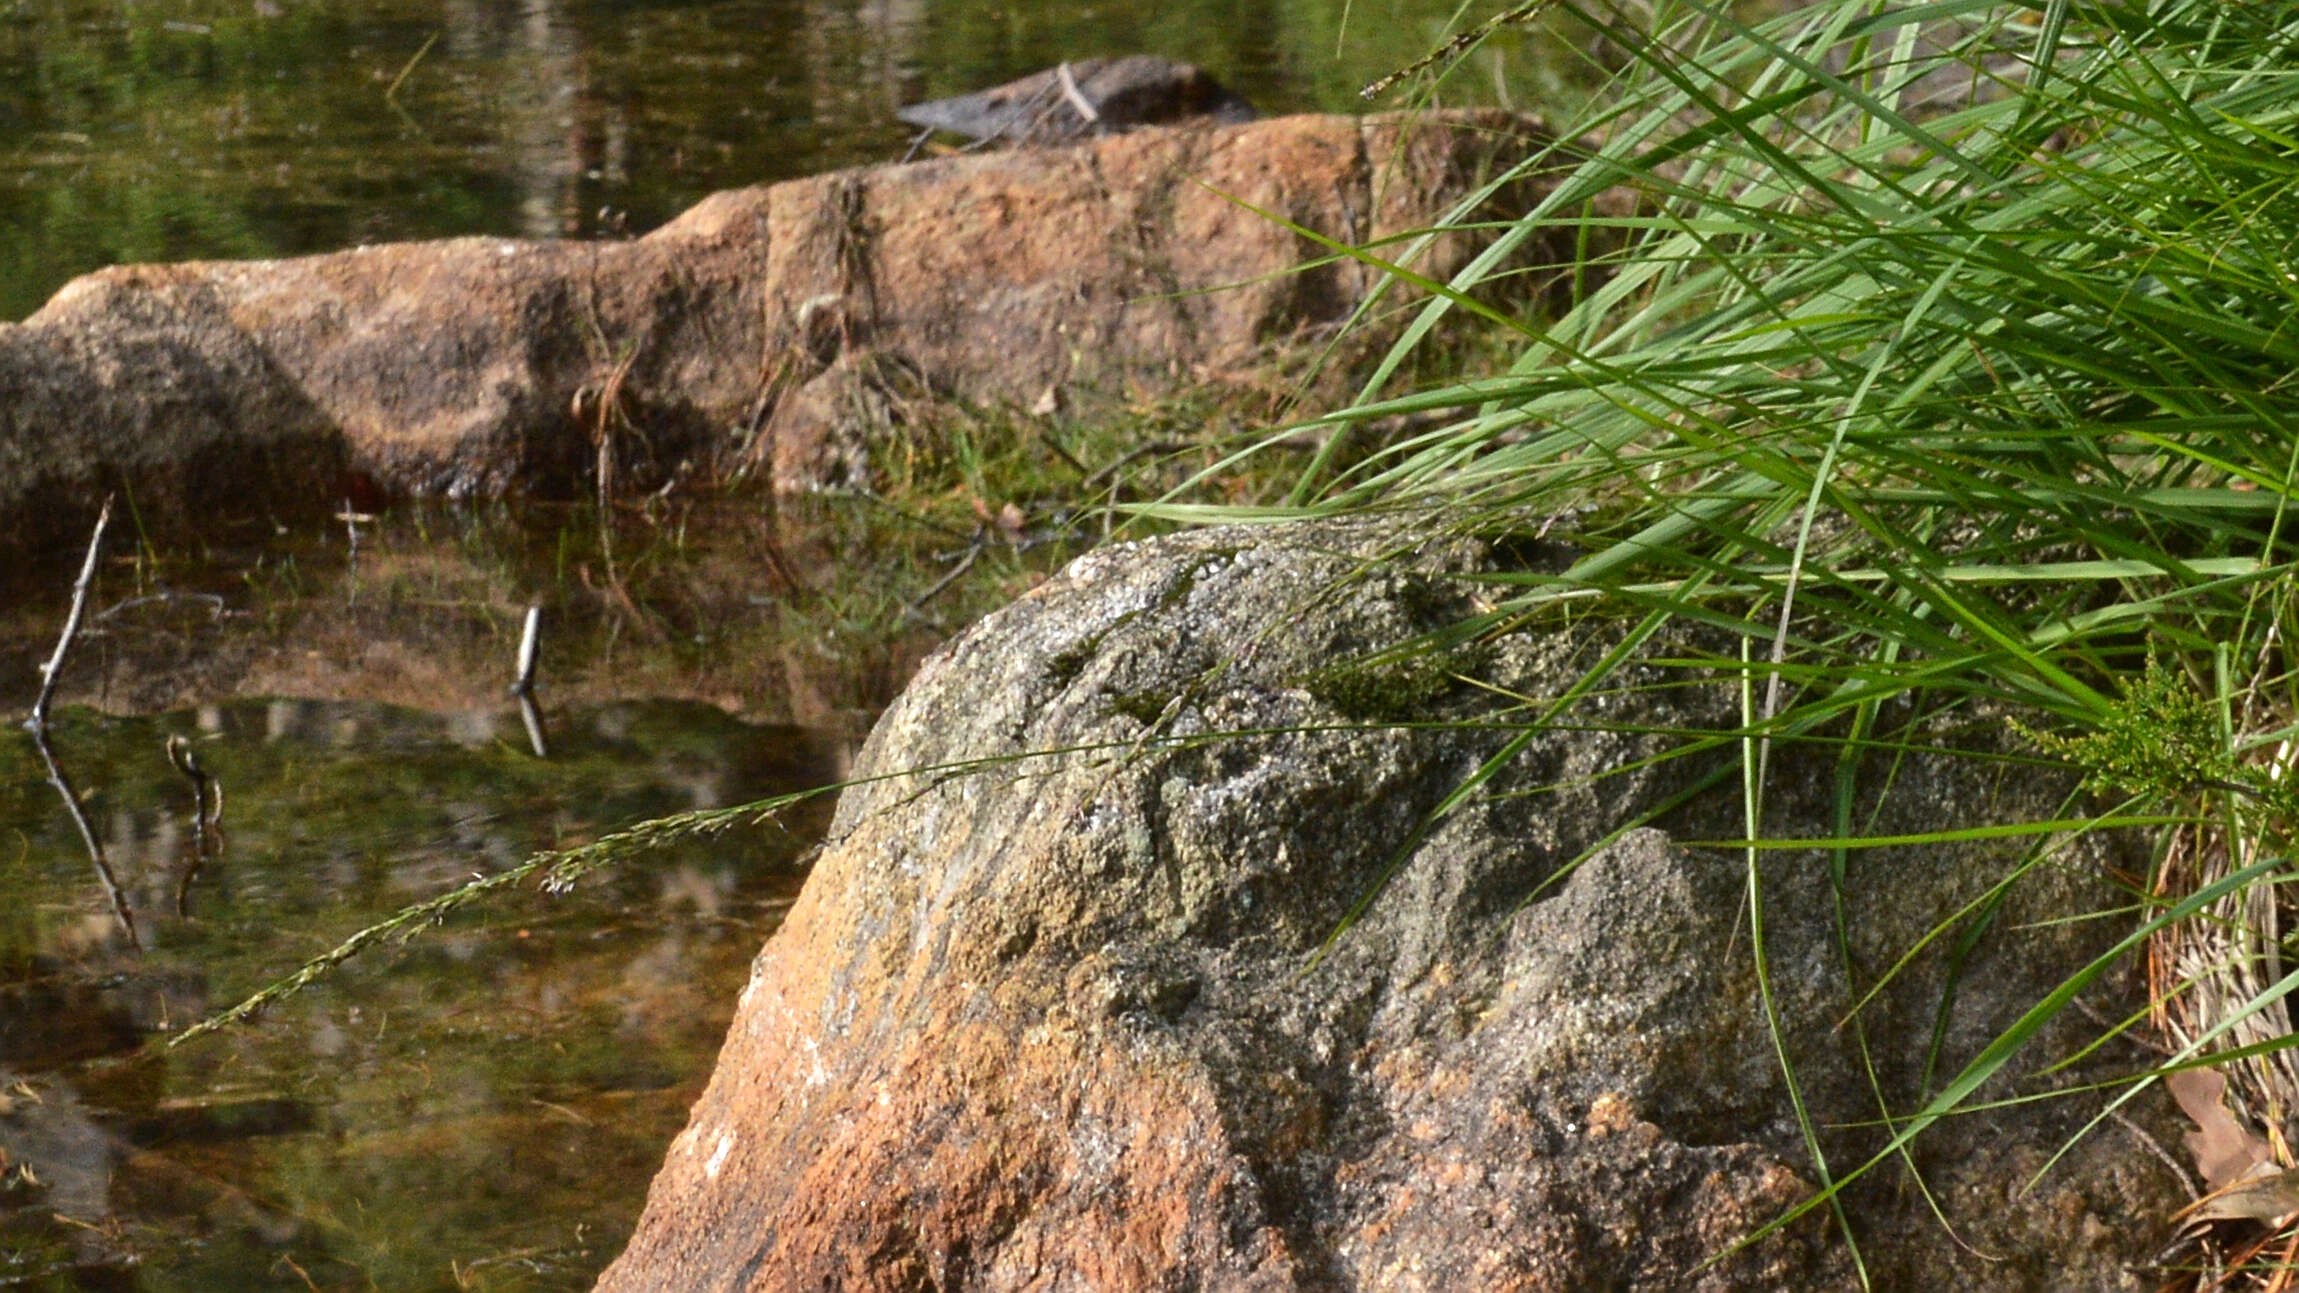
(2271, 1197)
(2225, 1151)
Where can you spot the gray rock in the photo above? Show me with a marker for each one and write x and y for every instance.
(1081, 1020)
(1119, 93)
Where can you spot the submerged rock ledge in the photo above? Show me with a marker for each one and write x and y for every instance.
(755, 326)
(1060, 1023)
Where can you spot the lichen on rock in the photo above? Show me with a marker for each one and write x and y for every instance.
(1078, 1016)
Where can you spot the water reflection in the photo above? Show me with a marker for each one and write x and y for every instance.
(489, 1097)
(215, 128)
(106, 879)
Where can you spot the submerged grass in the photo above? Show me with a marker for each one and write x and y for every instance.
(1947, 359)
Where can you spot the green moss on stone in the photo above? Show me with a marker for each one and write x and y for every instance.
(1144, 707)
(1392, 691)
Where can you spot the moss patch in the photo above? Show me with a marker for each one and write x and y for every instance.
(1393, 691)
(1144, 707)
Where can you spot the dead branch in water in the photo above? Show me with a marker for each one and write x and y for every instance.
(523, 686)
(965, 563)
(50, 671)
(531, 717)
(530, 647)
(207, 817)
(111, 883)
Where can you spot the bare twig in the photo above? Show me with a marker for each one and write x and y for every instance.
(111, 883)
(391, 95)
(351, 518)
(1061, 451)
(50, 671)
(532, 718)
(2162, 1155)
(1077, 97)
(530, 647)
(523, 686)
(965, 564)
(207, 813)
(615, 595)
(216, 604)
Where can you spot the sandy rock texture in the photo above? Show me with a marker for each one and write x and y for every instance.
(1062, 1021)
(780, 326)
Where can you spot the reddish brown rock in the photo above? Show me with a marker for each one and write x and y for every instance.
(1095, 269)
(489, 366)
(1077, 1020)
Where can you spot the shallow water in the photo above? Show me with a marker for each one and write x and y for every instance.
(482, 1098)
(484, 1105)
(194, 129)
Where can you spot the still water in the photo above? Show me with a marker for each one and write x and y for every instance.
(189, 129)
(483, 1105)
(471, 1107)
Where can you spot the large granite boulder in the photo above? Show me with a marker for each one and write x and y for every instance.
(1078, 1017)
(750, 329)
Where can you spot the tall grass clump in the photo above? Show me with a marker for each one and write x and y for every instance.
(1948, 356)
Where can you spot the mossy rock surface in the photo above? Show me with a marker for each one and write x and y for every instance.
(1093, 1016)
